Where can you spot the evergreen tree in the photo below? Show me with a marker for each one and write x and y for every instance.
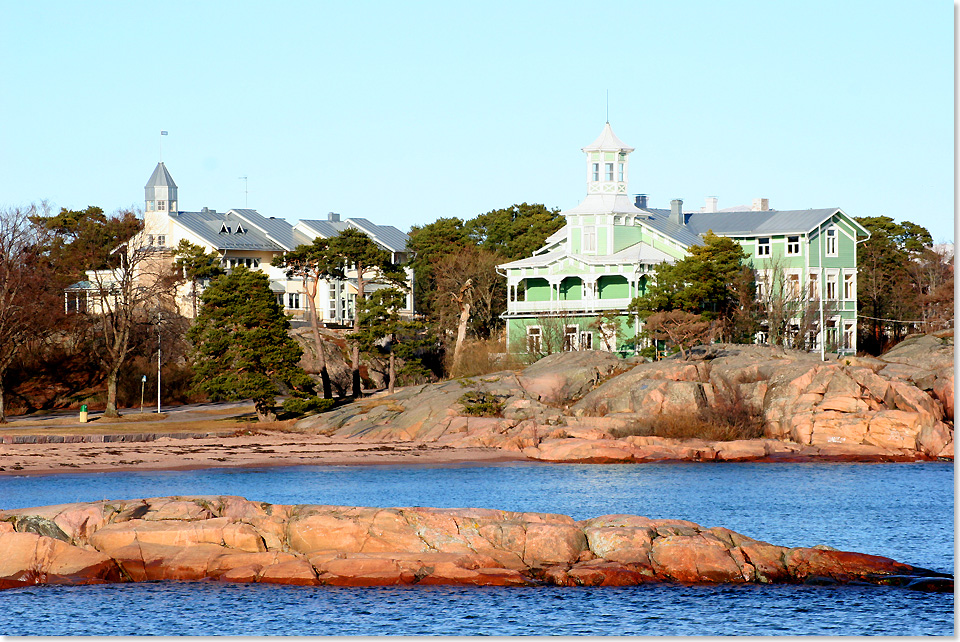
(313, 262)
(370, 262)
(514, 232)
(709, 282)
(241, 346)
(194, 264)
(380, 322)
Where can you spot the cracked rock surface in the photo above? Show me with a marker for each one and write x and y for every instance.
(232, 539)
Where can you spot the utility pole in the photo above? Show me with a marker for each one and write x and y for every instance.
(245, 192)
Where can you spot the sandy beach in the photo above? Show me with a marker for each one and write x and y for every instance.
(264, 449)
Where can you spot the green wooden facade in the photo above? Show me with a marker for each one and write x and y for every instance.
(607, 253)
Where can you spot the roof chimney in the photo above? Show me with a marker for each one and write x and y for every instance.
(641, 201)
(711, 204)
(761, 204)
(333, 216)
(676, 211)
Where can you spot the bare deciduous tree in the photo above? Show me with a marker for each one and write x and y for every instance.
(29, 292)
(126, 299)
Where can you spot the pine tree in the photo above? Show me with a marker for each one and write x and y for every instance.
(241, 346)
(312, 263)
(380, 322)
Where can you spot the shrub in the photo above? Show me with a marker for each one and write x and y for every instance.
(303, 405)
(481, 404)
(728, 419)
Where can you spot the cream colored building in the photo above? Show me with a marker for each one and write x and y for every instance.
(246, 237)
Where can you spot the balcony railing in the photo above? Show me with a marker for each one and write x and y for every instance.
(583, 305)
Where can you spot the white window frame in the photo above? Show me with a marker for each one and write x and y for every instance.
(791, 282)
(161, 240)
(813, 285)
(608, 172)
(596, 172)
(589, 233)
(534, 339)
(586, 340)
(793, 247)
(849, 338)
(763, 249)
(849, 286)
(293, 298)
(830, 245)
(831, 287)
(571, 344)
(160, 206)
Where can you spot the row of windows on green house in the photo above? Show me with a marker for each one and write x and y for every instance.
(836, 246)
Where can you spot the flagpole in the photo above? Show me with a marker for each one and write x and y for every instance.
(163, 133)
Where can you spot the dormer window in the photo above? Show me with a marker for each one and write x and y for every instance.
(224, 229)
(240, 229)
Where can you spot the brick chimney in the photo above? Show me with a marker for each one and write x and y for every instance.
(760, 204)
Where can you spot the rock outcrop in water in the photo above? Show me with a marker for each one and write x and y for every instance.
(232, 539)
(569, 406)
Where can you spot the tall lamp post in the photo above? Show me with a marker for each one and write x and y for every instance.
(143, 387)
(159, 319)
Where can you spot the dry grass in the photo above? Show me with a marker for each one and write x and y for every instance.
(481, 358)
(730, 418)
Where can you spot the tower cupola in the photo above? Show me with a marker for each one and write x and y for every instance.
(607, 164)
(160, 192)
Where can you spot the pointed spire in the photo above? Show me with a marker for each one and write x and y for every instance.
(160, 177)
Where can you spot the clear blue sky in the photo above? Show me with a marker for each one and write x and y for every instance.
(403, 112)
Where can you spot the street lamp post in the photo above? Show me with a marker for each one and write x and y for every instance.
(159, 319)
(143, 387)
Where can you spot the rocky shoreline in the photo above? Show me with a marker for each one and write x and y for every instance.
(592, 407)
(231, 539)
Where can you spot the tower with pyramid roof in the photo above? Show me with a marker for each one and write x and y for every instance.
(160, 200)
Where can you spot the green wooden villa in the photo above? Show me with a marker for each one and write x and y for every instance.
(608, 251)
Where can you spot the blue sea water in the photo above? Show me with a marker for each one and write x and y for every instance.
(903, 511)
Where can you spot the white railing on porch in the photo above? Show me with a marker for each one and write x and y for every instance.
(584, 305)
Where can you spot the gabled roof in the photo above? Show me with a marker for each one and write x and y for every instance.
(208, 225)
(607, 141)
(277, 229)
(160, 177)
(386, 235)
(753, 223)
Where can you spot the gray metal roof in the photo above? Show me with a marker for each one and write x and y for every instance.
(209, 225)
(276, 229)
(752, 223)
(160, 177)
(386, 235)
(659, 220)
